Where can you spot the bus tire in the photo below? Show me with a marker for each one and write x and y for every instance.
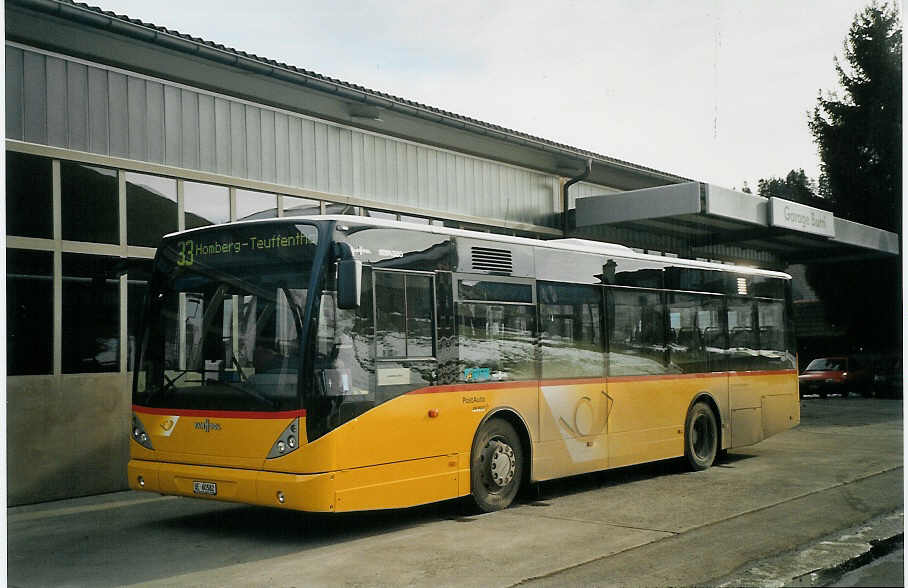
(496, 465)
(701, 437)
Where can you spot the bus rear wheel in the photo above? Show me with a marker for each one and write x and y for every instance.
(496, 465)
(701, 437)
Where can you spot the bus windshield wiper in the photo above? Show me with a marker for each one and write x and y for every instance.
(172, 383)
(250, 392)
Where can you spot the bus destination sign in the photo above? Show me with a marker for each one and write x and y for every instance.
(190, 250)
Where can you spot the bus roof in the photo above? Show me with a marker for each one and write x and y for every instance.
(569, 244)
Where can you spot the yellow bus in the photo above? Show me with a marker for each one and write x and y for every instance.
(341, 363)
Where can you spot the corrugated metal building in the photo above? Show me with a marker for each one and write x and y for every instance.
(118, 132)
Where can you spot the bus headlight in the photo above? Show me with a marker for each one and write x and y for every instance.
(286, 442)
(138, 433)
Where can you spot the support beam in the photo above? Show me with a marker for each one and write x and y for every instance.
(735, 237)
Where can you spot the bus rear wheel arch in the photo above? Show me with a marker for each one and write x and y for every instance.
(701, 436)
(497, 465)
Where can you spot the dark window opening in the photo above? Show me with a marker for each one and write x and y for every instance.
(90, 210)
(29, 195)
(29, 312)
(91, 313)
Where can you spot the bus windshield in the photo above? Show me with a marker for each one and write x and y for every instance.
(225, 319)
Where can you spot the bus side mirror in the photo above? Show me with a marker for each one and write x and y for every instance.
(349, 283)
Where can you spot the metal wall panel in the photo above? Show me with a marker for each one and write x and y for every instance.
(345, 161)
(14, 74)
(296, 154)
(438, 169)
(189, 129)
(76, 106)
(405, 156)
(222, 138)
(378, 171)
(173, 135)
(254, 142)
(268, 145)
(307, 149)
(422, 176)
(411, 187)
(333, 159)
(117, 114)
(137, 98)
(358, 148)
(97, 111)
(238, 140)
(154, 121)
(376, 178)
(207, 140)
(460, 180)
(35, 98)
(108, 111)
(320, 151)
(282, 149)
(56, 102)
(394, 169)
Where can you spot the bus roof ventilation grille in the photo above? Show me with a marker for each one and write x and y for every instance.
(487, 259)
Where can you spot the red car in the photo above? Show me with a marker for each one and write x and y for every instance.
(833, 375)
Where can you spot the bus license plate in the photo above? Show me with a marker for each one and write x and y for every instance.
(209, 488)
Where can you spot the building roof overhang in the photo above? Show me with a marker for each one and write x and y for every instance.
(706, 215)
(105, 37)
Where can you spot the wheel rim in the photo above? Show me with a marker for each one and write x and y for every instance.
(499, 465)
(702, 437)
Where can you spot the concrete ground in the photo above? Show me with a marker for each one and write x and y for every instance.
(857, 555)
(647, 525)
(888, 570)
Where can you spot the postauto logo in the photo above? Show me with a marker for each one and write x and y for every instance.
(206, 426)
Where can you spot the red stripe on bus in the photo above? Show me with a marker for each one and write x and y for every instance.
(766, 373)
(667, 377)
(702, 375)
(223, 414)
(577, 381)
(474, 386)
(570, 381)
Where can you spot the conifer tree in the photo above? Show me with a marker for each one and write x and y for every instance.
(859, 137)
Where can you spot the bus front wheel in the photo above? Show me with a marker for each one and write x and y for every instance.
(496, 465)
(701, 436)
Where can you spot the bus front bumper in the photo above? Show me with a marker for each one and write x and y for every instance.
(307, 492)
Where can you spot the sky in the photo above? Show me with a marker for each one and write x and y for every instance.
(714, 90)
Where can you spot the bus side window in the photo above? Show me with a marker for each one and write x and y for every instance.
(496, 329)
(689, 320)
(496, 341)
(570, 319)
(636, 333)
(742, 335)
(390, 315)
(404, 320)
(773, 337)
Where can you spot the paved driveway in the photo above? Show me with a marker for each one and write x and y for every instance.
(646, 525)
